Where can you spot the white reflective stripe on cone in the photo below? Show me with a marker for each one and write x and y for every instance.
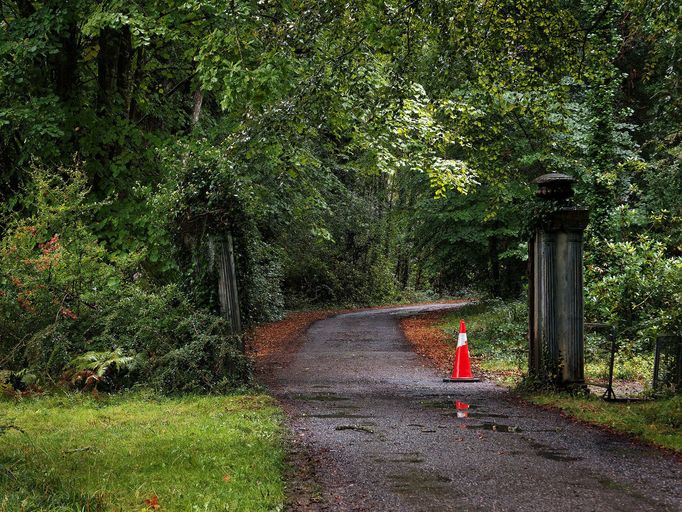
(461, 339)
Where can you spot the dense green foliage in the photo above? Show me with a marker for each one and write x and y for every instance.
(358, 152)
(69, 295)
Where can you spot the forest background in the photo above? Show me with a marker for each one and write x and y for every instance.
(359, 152)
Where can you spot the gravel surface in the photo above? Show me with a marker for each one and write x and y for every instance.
(373, 427)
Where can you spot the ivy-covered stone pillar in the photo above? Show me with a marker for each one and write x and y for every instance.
(556, 285)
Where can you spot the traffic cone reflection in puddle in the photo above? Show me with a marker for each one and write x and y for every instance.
(461, 368)
(462, 409)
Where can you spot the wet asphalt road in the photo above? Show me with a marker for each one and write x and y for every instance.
(384, 434)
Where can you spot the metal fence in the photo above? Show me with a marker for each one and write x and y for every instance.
(610, 347)
(668, 364)
(604, 348)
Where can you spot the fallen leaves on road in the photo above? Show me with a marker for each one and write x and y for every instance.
(278, 337)
(430, 341)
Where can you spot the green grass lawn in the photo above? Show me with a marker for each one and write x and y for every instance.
(658, 421)
(75, 452)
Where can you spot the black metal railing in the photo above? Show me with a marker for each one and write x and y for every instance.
(609, 331)
(668, 364)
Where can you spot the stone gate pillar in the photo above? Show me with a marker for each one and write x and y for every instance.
(556, 286)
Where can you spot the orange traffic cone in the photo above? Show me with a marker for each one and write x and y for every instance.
(461, 368)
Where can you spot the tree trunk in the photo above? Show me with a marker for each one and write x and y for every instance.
(113, 68)
(198, 100)
(123, 68)
(493, 253)
(138, 68)
(66, 63)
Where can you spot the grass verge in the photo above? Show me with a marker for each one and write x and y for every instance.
(75, 452)
(498, 348)
(658, 422)
(496, 335)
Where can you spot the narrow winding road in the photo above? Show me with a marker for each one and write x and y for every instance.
(383, 434)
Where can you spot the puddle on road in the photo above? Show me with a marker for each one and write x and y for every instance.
(609, 484)
(339, 414)
(440, 404)
(465, 410)
(409, 458)
(461, 409)
(399, 458)
(495, 427)
(482, 414)
(322, 397)
(555, 454)
(420, 482)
